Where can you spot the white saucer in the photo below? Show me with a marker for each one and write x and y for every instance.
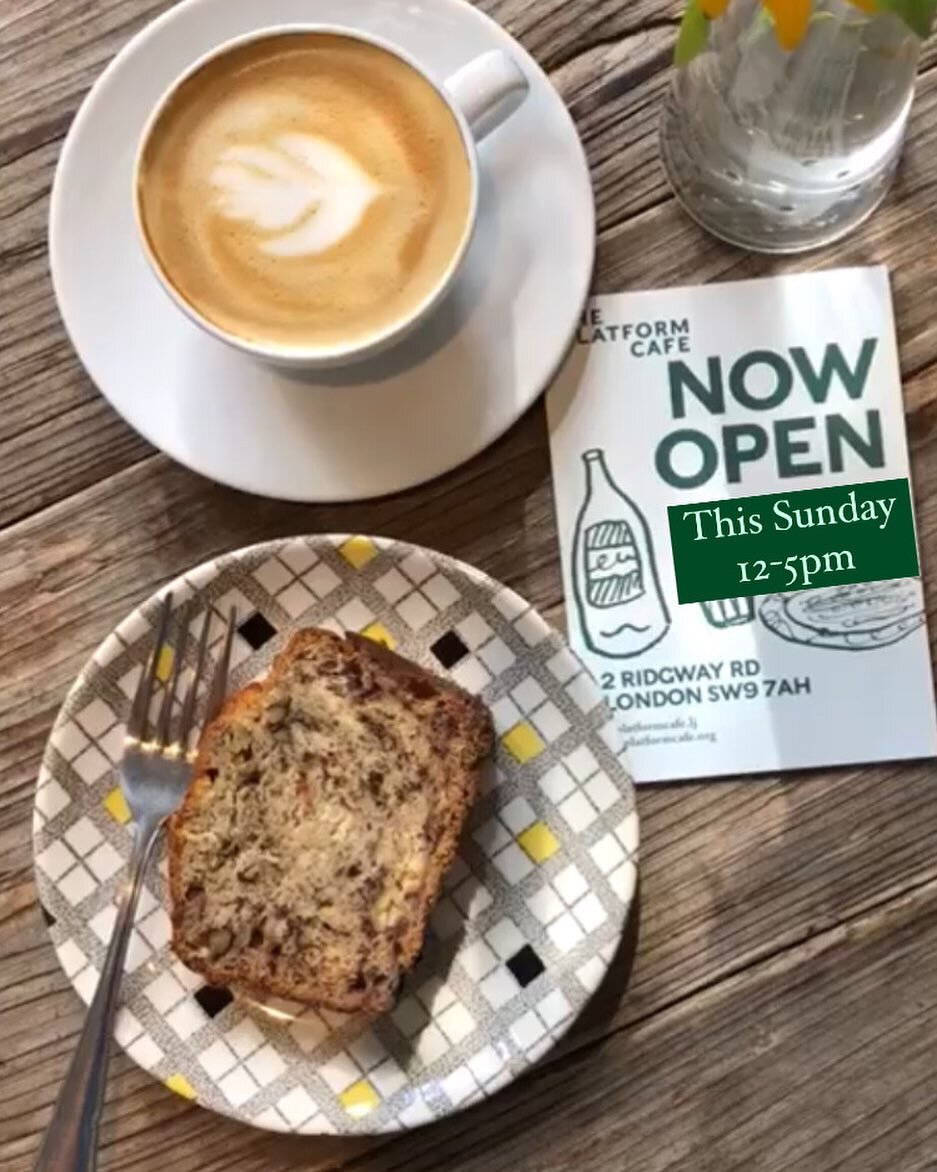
(392, 422)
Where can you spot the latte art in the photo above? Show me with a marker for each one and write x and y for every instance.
(304, 189)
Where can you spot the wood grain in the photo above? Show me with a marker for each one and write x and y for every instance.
(782, 1011)
(765, 1070)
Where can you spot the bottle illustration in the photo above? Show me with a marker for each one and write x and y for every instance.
(621, 606)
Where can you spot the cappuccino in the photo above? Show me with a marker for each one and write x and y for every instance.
(304, 190)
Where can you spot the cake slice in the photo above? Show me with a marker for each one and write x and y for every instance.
(325, 806)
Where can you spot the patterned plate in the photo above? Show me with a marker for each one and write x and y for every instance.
(531, 913)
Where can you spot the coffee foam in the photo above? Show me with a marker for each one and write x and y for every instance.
(302, 192)
(305, 189)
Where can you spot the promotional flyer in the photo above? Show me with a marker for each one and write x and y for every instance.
(676, 412)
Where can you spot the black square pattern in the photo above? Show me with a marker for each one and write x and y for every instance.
(213, 999)
(526, 966)
(449, 649)
(257, 631)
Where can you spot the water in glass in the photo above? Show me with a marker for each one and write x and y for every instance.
(780, 151)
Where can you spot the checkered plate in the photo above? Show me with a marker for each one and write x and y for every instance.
(532, 911)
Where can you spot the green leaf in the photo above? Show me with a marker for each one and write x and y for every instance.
(693, 34)
(917, 14)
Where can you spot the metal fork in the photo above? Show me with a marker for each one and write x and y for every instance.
(154, 772)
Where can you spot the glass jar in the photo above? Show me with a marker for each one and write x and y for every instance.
(782, 150)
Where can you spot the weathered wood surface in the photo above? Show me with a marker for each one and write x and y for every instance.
(782, 1011)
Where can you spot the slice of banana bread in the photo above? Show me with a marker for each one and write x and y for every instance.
(325, 806)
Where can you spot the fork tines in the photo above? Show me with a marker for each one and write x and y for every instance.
(168, 734)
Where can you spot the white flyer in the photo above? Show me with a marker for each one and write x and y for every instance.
(732, 390)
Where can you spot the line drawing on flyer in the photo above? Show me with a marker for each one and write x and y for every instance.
(621, 607)
(859, 616)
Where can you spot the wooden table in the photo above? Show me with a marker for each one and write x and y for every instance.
(782, 1011)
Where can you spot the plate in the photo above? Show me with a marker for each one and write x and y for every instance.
(464, 379)
(532, 910)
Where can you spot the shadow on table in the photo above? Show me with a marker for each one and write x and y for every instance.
(438, 1140)
(600, 1011)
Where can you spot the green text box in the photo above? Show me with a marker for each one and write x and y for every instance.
(859, 533)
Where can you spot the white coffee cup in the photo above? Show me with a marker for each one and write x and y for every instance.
(480, 96)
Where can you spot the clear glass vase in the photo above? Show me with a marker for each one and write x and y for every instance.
(780, 151)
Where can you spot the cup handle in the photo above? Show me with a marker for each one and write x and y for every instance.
(481, 88)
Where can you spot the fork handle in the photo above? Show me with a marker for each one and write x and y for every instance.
(71, 1139)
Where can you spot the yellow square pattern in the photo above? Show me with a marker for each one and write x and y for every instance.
(539, 842)
(164, 663)
(523, 742)
(181, 1085)
(380, 634)
(358, 551)
(360, 1098)
(116, 805)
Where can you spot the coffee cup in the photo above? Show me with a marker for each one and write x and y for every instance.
(307, 193)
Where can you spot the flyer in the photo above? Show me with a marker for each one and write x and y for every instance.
(724, 393)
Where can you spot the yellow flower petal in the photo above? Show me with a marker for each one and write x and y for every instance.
(713, 8)
(865, 5)
(790, 20)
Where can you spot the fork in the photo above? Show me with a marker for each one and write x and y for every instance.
(154, 772)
